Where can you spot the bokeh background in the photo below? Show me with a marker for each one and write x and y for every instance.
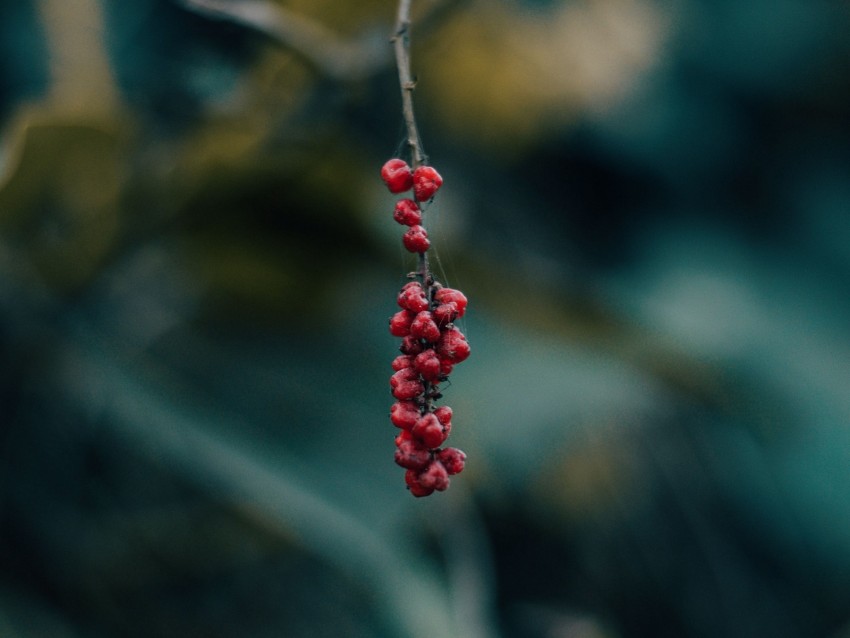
(648, 205)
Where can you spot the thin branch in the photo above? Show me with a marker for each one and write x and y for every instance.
(401, 42)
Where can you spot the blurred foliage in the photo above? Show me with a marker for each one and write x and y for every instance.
(648, 204)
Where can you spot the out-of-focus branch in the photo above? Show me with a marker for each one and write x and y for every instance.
(82, 80)
(331, 55)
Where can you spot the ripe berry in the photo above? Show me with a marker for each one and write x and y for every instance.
(411, 477)
(446, 367)
(446, 313)
(427, 364)
(416, 239)
(443, 414)
(423, 326)
(450, 295)
(405, 384)
(400, 323)
(412, 297)
(404, 414)
(408, 390)
(402, 361)
(411, 345)
(452, 459)
(407, 213)
(412, 455)
(397, 176)
(430, 431)
(400, 376)
(426, 182)
(452, 345)
(435, 477)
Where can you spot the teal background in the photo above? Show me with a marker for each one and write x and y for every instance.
(647, 203)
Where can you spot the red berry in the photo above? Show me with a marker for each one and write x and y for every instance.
(411, 345)
(402, 361)
(405, 384)
(446, 367)
(416, 239)
(411, 477)
(419, 491)
(400, 323)
(412, 455)
(435, 477)
(446, 313)
(407, 213)
(423, 326)
(408, 390)
(426, 182)
(405, 374)
(452, 345)
(450, 295)
(427, 364)
(397, 176)
(443, 414)
(430, 431)
(452, 459)
(404, 414)
(412, 297)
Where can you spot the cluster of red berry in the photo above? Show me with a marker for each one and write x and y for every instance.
(430, 345)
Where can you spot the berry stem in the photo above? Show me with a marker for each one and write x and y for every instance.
(401, 42)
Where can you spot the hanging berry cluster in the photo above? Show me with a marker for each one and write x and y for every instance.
(431, 345)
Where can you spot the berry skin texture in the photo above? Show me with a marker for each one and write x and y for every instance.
(407, 213)
(408, 390)
(427, 364)
(452, 346)
(416, 239)
(426, 182)
(435, 477)
(411, 477)
(411, 345)
(446, 367)
(443, 414)
(452, 459)
(402, 361)
(400, 323)
(445, 313)
(412, 456)
(412, 297)
(404, 414)
(450, 295)
(397, 176)
(405, 384)
(423, 326)
(430, 431)
(405, 374)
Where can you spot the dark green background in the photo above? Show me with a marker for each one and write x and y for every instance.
(647, 203)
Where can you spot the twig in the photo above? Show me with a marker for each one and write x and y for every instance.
(401, 42)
